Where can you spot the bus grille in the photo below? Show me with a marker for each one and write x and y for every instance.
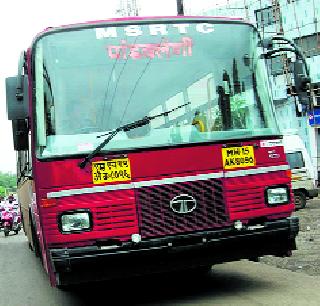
(156, 218)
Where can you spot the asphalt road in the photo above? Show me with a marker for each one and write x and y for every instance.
(24, 283)
(306, 259)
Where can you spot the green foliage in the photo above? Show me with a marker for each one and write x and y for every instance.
(2, 191)
(8, 182)
(239, 110)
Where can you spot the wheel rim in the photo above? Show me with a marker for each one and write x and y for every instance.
(297, 201)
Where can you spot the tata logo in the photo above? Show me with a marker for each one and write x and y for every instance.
(183, 204)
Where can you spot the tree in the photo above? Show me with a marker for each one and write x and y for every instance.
(2, 191)
(8, 181)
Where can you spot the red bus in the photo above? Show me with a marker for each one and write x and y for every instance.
(147, 145)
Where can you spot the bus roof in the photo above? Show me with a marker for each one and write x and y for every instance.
(141, 19)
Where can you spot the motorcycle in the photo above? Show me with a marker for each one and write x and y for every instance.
(1, 210)
(10, 220)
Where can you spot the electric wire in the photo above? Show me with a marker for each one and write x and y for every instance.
(117, 83)
(135, 87)
(107, 91)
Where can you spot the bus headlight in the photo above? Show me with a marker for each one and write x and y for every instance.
(277, 195)
(75, 221)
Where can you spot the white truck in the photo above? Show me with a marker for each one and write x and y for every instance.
(303, 177)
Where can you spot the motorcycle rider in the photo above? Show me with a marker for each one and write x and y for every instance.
(2, 208)
(10, 198)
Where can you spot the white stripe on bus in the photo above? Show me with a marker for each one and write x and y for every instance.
(166, 181)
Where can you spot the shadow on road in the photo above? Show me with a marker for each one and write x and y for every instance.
(242, 283)
(4, 237)
(168, 288)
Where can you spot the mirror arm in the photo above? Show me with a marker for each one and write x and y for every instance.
(272, 53)
(297, 51)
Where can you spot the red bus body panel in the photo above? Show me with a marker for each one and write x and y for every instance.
(116, 214)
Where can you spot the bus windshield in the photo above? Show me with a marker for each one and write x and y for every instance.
(91, 80)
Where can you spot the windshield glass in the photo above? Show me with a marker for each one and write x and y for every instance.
(91, 80)
(295, 160)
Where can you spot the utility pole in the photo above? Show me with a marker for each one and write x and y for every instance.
(180, 8)
(128, 8)
(276, 12)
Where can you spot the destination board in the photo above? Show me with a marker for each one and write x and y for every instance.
(113, 170)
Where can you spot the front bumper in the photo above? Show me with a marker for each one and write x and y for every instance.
(82, 264)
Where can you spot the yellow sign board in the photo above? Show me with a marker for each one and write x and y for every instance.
(238, 157)
(113, 170)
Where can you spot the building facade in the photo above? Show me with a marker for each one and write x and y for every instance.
(297, 20)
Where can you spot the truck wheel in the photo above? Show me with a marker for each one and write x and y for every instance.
(300, 200)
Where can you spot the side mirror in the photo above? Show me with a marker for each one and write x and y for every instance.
(301, 73)
(20, 131)
(17, 97)
(18, 92)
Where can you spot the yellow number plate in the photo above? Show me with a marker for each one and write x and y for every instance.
(114, 170)
(238, 157)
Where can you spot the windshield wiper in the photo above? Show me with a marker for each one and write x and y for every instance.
(126, 127)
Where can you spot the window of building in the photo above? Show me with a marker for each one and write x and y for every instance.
(293, 1)
(316, 89)
(310, 45)
(277, 65)
(264, 17)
